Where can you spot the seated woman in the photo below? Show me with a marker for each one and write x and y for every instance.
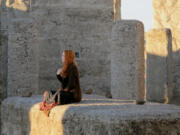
(70, 91)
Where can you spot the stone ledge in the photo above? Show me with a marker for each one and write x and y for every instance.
(95, 115)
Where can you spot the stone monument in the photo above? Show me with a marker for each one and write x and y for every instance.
(127, 60)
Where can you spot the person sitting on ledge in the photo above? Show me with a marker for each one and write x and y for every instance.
(68, 75)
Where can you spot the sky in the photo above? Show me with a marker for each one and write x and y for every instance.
(139, 10)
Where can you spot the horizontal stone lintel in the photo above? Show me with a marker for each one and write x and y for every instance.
(93, 115)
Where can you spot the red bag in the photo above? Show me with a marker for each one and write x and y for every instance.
(49, 103)
(45, 106)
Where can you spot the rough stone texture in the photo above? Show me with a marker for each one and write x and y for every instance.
(3, 65)
(93, 116)
(117, 9)
(127, 60)
(3, 53)
(0, 80)
(166, 15)
(23, 58)
(38, 32)
(35, 32)
(159, 65)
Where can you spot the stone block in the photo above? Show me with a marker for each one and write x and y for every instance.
(117, 9)
(43, 29)
(4, 46)
(93, 115)
(166, 15)
(22, 57)
(159, 65)
(89, 3)
(50, 49)
(81, 25)
(127, 60)
(18, 9)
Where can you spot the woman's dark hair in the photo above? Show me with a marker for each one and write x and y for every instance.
(70, 69)
(69, 56)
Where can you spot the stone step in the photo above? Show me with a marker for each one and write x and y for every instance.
(94, 115)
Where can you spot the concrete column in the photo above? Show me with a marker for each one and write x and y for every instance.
(127, 60)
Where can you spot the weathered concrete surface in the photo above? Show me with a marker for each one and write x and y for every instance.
(159, 65)
(127, 60)
(166, 15)
(93, 116)
(38, 32)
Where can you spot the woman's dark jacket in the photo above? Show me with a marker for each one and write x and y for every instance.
(71, 82)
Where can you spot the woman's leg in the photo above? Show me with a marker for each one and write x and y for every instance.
(46, 92)
(45, 95)
(66, 97)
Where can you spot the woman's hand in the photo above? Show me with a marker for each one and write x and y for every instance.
(58, 71)
(66, 89)
(72, 90)
(60, 89)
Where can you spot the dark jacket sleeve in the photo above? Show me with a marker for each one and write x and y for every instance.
(59, 78)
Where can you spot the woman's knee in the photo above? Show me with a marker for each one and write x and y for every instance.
(45, 92)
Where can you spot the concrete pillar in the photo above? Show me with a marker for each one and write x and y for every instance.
(159, 65)
(127, 60)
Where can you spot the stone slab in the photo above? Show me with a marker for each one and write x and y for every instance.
(159, 65)
(127, 60)
(94, 115)
(166, 15)
(3, 61)
(23, 52)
